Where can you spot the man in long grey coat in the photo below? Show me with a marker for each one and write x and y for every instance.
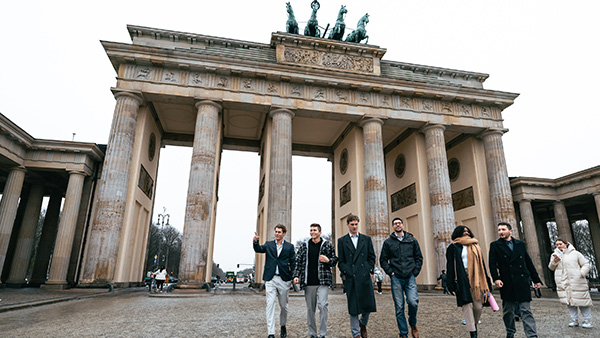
(356, 261)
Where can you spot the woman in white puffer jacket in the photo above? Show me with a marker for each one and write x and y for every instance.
(570, 269)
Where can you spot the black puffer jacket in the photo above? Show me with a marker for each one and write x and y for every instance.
(403, 258)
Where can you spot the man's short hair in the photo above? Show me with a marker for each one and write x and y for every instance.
(282, 227)
(505, 224)
(352, 218)
(316, 225)
(397, 219)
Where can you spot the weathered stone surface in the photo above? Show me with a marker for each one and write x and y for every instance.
(8, 208)
(503, 209)
(562, 221)
(66, 230)
(199, 207)
(105, 234)
(440, 193)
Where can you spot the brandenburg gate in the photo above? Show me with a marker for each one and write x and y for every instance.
(418, 142)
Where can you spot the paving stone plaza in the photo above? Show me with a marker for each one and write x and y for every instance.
(135, 313)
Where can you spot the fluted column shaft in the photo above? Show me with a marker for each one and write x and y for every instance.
(103, 245)
(376, 203)
(562, 221)
(597, 200)
(24, 246)
(47, 238)
(199, 207)
(440, 193)
(503, 209)
(530, 232)
(66, 230)
(8, 208)
(280, 172)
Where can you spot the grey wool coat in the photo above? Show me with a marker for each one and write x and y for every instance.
(356, 267)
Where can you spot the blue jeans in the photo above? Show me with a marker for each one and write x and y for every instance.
(399, 287)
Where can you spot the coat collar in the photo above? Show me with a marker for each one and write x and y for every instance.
(504, 247)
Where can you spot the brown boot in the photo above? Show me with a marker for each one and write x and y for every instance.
(363, 330)
(414, 332)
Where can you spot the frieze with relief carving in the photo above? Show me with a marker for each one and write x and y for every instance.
(328, 60)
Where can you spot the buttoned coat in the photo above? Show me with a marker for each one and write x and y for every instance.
(356, 265)
(286, 261)
(324, 269)
(514, 268)
(569, 274)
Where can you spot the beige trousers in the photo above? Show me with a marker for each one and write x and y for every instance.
(472, 313)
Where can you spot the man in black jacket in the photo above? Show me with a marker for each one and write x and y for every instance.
(280, 262)
(402, 260)
(511, 269)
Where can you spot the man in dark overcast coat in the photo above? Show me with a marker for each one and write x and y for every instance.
(356, 261)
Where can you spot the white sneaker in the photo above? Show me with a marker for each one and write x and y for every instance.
(573, 323)
(586, 324)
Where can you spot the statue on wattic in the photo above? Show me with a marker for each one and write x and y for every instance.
(337, 33)
(312, 26)
(291, 25)
(360, 33)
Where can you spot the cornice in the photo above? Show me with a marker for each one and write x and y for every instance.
(579, 176)
(187, 59)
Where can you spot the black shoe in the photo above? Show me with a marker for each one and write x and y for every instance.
(283, 332)
(473, 334)
(517, 318)
(271, 336)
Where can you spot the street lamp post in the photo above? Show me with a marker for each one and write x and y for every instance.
(161, 221)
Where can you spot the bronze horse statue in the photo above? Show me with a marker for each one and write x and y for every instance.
(340, 26)
(360, 33)
(312, 26)
(291, 25)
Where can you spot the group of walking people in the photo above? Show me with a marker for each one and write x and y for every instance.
(511, 268)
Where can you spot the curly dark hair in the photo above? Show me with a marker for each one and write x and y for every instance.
(460, 230)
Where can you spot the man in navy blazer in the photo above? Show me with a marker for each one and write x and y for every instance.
(280, 262)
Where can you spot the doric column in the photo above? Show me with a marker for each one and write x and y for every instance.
(376, 204)
(531, 237)
(66, 230)
(24, 246)
(48, 236)
(503, 209)
(280, 172)
(8, 208)
(199, 208)
(105, 232)
(562, 221)
(440, 193)
(597, 200)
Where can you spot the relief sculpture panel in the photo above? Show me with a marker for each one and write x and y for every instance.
(328, 60)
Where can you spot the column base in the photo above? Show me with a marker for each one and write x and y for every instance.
(57, 286)
(191, 285)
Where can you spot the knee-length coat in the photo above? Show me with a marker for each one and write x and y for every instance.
(569, 274)
(514, 268)
(357, 265)
(456, 276)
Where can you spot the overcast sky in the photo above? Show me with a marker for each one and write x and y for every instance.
(56, 81)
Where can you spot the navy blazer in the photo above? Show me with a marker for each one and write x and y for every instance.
(286, 260)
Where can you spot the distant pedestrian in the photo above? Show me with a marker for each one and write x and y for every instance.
(467, 276)
(570, 269)
(443, 277)
(280, 262)
(378, 279)
(402, 260)
(356, 262)
(314, 260)
(160, 276)
(512, 270)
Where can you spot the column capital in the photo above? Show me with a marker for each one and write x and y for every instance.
(597, 193)
(215, 104)
(432, 126)
(19, 168)
(526, 200)
(135, 95)
(77, 172)
(278, 110)
(371, 119)
(558, 202)
(492, 131)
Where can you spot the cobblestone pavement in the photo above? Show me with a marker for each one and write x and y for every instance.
(135, 313)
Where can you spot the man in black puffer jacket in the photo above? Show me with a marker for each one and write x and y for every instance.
(402, 260)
